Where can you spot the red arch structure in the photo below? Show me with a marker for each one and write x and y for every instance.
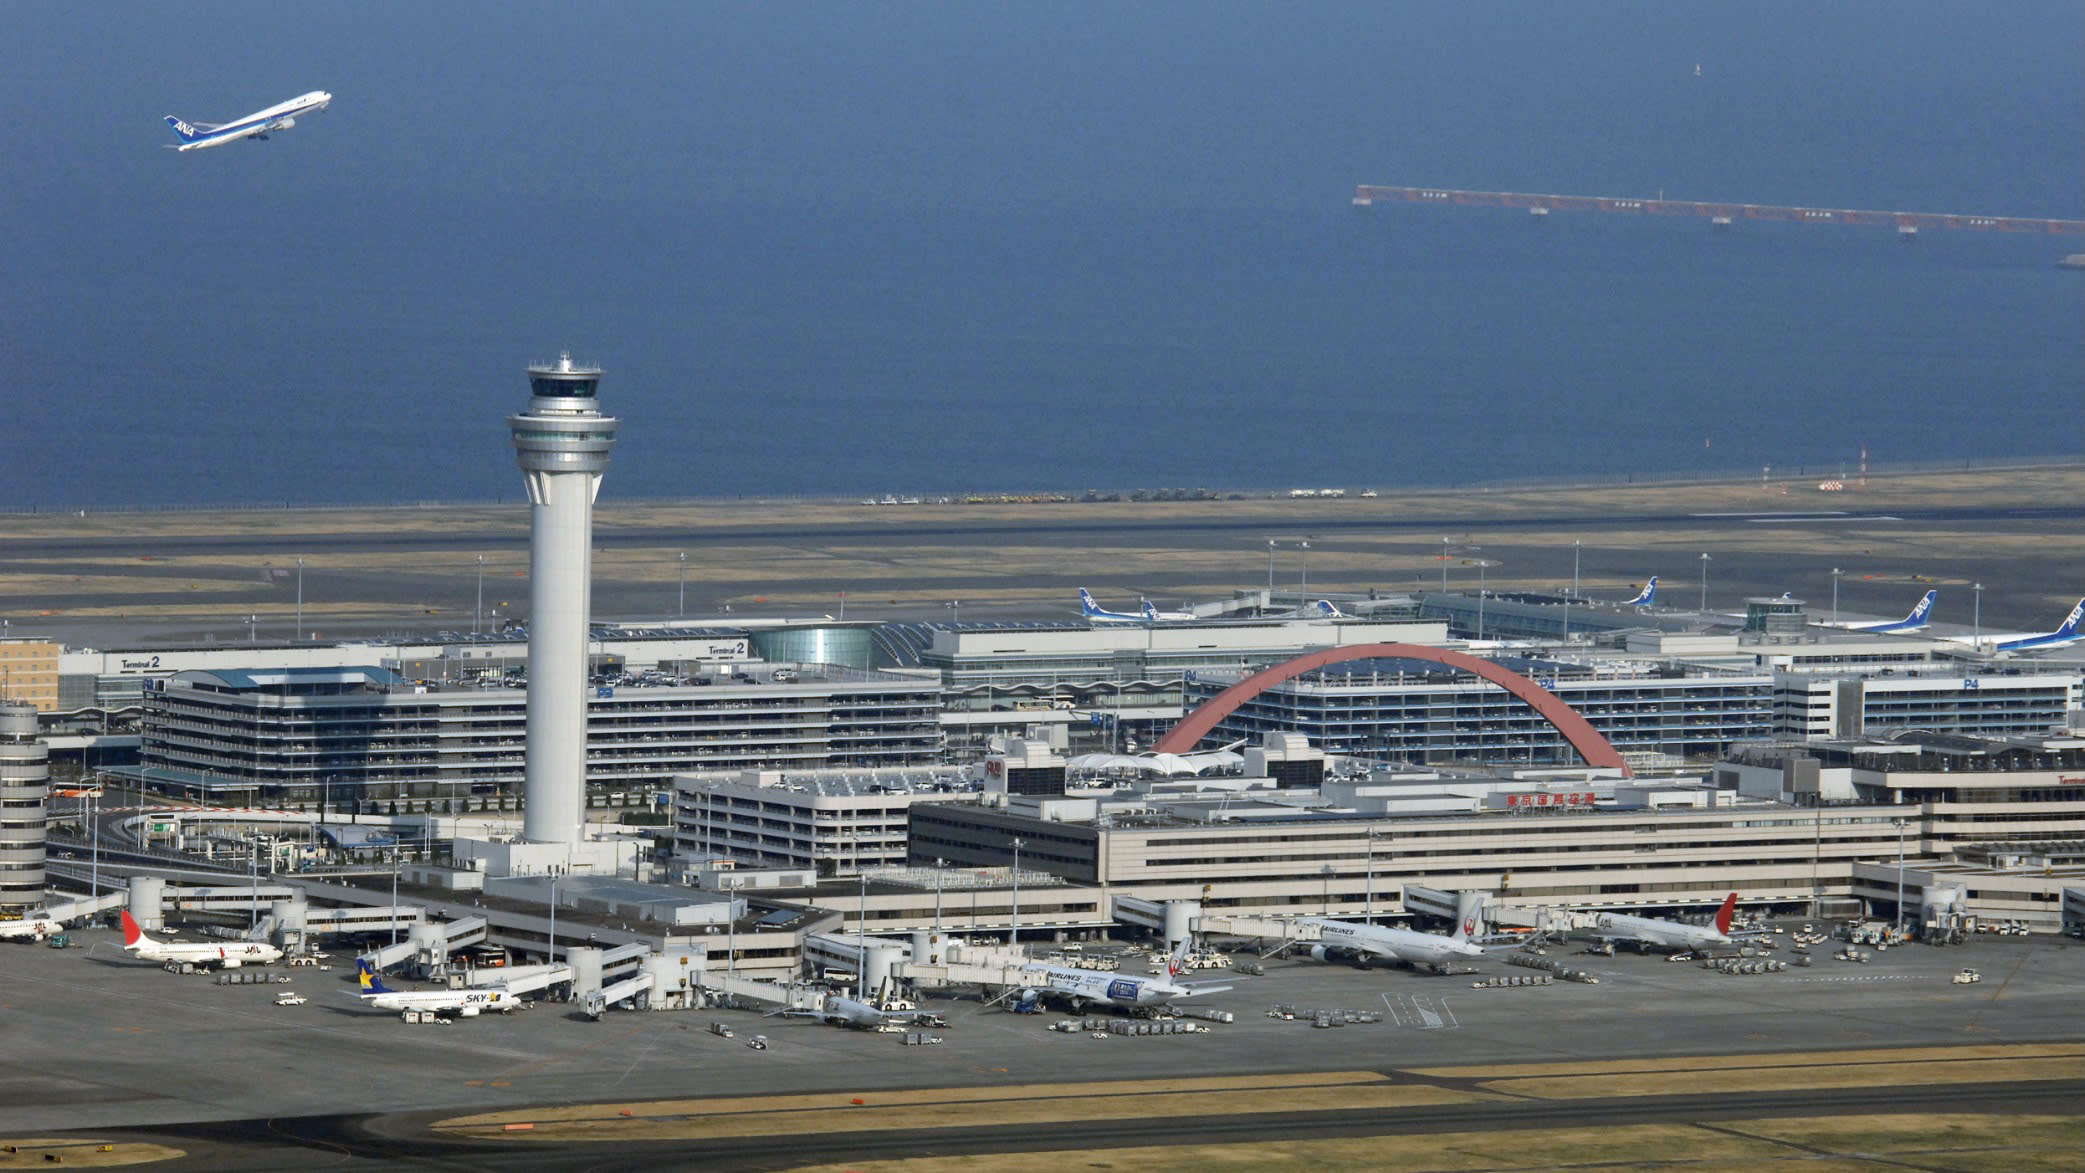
(1594, 748)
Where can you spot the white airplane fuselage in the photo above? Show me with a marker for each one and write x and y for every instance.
(37, 928)
(1086, 986)
(1394, 944)
(1665, 933)
(467, 1003)
(258, 124)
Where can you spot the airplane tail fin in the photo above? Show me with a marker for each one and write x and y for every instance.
(1324, 609)
(1724, 914)
(367, 977)
(1150, 612)
(184, 131)
(133, 933)
(1177, 963)
(1086, 604)
(2070, 622)
(1925, 607)
(1647, 596)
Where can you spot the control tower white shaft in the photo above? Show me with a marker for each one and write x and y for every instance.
(562, 444)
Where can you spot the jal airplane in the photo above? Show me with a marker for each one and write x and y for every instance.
(1364, 941)
(465, 1003)
(30, 928)
(257, 125)
(1669, 934)
(842, 1011)
(228, 955)
(1080, 988)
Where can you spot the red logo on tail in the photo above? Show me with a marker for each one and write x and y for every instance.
(131, 932)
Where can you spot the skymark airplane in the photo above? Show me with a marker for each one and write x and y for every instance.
(257, 125)
(1916, 621)
(466, 1003)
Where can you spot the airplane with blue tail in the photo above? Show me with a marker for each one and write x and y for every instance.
(465, 1003)
(2063, 636)
(1098, 616)
(1646, 597)
(258, 125)
(1916, 621)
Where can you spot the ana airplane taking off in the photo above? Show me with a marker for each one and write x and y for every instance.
(1671, 934)
(1646, 597)
(30, 928)
(257, 125)
(2063, 636)
(465, 1003)
(1916, 621)
(1080, 988)
(229, 955)
(1099, 617)
(1338, 938)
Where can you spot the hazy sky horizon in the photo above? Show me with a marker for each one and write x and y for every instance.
(843, 246)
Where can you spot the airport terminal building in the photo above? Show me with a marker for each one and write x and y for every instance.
(336, 735)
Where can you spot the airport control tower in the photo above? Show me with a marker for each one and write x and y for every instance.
(562, 443)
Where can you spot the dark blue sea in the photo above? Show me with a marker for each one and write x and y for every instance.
(858, 248)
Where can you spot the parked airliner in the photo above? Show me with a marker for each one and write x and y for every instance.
(1646, 597)
(1364, 941)
(1080, 988)
(2063, 636)
(1100, 617)
(1669, 934)
(1916, 621)
(195, 136)
(465, 1003)
(204, 954)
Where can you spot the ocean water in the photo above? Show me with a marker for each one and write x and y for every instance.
(850, 249)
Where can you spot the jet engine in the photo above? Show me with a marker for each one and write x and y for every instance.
(285, 124)
(1026, 1002)
(470, 1011)
(1320, 953)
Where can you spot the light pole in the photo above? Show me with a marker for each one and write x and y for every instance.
(1013, 934)
(1899, 825)
(551, 941)
(94, 820)
(394, 894)
(253, 899)
(1444, 566)
(1370, 915)
(684, 584)
(1304, 582)
(1576, 544)
(940, 865)
(478, 613)
(1704, 583)
(1480, 598)
(300, 599)
(1835, 596)
(861, 967)
(253, 635)
(1270, 572)
(1977, 640)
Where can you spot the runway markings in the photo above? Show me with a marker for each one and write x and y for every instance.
(956, 1107)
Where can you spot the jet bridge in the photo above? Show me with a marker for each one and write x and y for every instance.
(431, 942)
